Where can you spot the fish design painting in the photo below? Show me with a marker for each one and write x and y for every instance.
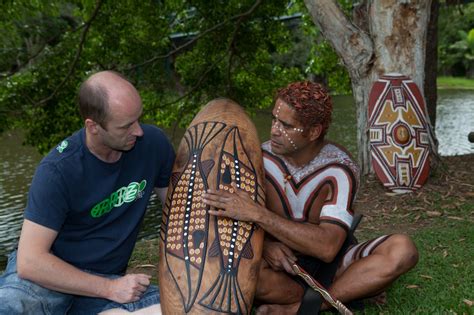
(186, 222)
(232, 241)
(209, 265)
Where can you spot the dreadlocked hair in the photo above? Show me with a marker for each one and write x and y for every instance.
(311, 101)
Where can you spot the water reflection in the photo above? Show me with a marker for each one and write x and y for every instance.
(17, 165)
(17, 162)
(455, 112)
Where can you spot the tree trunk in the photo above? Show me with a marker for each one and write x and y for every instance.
(385, 37)
(431, 65)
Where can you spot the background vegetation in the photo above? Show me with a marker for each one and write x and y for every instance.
(179, 54)
(182, 53)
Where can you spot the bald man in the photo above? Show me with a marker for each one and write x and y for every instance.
(85, 205)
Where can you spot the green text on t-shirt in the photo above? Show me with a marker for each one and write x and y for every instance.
(124, 194)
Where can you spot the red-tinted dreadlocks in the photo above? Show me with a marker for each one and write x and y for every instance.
(310, 100)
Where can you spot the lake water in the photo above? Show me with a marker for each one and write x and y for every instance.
(455, 119)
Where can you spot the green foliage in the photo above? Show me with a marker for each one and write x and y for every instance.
(323, 63)
(179, 54)
(464, 50)
(454, 24)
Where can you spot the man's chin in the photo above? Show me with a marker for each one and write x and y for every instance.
(276, 147)
(278, 151)
(128, 147)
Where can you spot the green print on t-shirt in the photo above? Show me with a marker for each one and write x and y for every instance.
(116, 199)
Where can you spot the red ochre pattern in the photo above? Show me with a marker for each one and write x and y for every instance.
(399, 138)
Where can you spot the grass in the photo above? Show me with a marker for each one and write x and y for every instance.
(455, 83)
(443, 280)
(441, 283)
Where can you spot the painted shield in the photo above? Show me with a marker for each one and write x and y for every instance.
(209, 265)
(398, 131)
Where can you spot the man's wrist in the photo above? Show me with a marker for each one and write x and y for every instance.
(105, 290)
(261, 215)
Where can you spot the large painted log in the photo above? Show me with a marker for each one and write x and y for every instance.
(209, 265)
(399, 139)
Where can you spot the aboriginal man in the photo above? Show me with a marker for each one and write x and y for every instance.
(310, 189)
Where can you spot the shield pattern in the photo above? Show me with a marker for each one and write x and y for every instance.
(398, 133)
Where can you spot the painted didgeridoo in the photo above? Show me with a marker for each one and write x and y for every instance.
(209, 265)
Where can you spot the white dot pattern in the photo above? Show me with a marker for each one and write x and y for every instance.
(233, 235)
(279, 126)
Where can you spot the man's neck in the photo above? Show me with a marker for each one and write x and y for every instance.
(102, 152)
(305, 155)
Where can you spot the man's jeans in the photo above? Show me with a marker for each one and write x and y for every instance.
(19, 296)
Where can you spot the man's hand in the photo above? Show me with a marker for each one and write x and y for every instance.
(128, 288)
(237, 205)
(279, 256)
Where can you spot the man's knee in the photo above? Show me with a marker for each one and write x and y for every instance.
(401, 254)
(19, 299)
(18, 296)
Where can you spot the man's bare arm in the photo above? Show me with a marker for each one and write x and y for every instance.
(318, 240)
(36, 263)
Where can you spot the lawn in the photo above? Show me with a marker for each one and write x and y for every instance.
(443, 280)
(455, 83)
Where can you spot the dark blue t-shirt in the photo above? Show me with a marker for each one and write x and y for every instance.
(97, 207)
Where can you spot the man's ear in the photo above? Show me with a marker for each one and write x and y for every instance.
(315, 132)
(91, 126)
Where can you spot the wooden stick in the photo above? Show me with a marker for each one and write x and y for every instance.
(315, 285)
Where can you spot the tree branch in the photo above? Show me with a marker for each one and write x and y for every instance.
(87, 26)
(190, 42)
(18, 67)
(203, 77)
(353, 45)
(230, 52)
